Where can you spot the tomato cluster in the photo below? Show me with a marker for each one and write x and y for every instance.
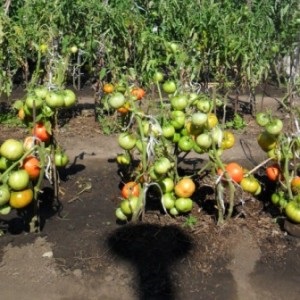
(19, 169)
(282, 148)
(185, 122)
(42, 102)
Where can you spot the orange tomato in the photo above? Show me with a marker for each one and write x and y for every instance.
(20, 199)
(139, 93)
(273, 172)
(32, 166)
(185, 188)
(21, 114)
(295, 185)
(108, 88)
(129, 189)
(124, 109)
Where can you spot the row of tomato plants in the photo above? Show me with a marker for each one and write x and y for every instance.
(25, 163)
(187, 122)
(198, 41)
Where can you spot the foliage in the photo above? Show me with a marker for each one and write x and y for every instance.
(230, 42)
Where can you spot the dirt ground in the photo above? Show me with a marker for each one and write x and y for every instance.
(83, 253)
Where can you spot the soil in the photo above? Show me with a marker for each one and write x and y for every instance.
(83, 253)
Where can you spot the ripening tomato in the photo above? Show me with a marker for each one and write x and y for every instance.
(20, 199)
(41, 132)
(139, 93)
(250, 184)
(266, 141)
(212, 120)
(108, 88)
(295, 185)
(185, 187)
(129, 189)
(273, 172)
(32, 166)
(228, 140)
(124, 109)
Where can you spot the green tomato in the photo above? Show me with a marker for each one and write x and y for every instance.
(162, 165)
(250, 184)
(177, 119)
(12, 149)
(168, 200)
(274, 127)
(167, 185)
(204, 140)
(120, 215)
(4, 194)
(5, 209)
(184, 205)
(204, 105)
(169, 87)
(55, 99)
(41, 92)
(116, 100)
(18, 180)
(123, 159)
(158, 76)
(168, 131)
(69, 98)
(262, 119)
(292, 211)
(179, 102)
(33, 101)
(199, 118)
(61, 159)
(126, 140)
(186, 143)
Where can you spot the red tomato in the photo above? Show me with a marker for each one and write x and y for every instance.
(234, 170)
(273, 172)
(40, 131)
